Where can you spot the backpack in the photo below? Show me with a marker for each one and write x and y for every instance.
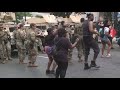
(101, 32)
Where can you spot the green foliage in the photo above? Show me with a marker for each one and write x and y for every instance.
(20, 15)
(61, 14)
(108, 15)
(38, 16)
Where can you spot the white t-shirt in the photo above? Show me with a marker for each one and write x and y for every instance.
(106, 30)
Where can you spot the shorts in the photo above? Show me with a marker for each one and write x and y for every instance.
(104, 40)
(48, 50)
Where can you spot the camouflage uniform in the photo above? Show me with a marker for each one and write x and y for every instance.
(71, 38)
(20, 36)
(39, 43)
(2, 46)
(7, 45)
(80, 46)
(32, 43)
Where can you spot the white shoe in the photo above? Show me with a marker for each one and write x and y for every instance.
(102, 56)
(108, 55)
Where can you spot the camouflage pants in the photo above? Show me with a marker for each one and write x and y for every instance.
(80, 49)
(2, 51)
(32, 54)
(8, 50)
(26, 46)
(40, 44)
(21, 51)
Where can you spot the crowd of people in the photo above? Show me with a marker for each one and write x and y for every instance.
(61, 37)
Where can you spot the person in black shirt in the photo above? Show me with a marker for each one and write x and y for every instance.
(61, 58)
(49, 42)
(89, 41)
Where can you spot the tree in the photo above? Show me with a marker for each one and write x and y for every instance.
(61, 14)
(38, 16)
(64, 14)
(108, 15)
(20, 15)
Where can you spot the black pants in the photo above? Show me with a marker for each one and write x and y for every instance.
(61, 69)
(89, 42)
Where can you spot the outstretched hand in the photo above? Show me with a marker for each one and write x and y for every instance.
(77, 40)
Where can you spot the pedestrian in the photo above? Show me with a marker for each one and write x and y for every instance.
(112, 33)
(63, 44)
(80, 45)
(70, 36)
(61, 24)
(32, 45)
(49, 42)
(2, 45)
(105, 39)
(118, 41)
(7, 44)
(89, 42)
(20, 43)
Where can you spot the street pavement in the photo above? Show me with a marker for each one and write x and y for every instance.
(110, 67)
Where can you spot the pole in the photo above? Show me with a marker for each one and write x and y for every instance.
(16, 17)
(25, 16)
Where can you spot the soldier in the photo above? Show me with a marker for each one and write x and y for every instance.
(70, 36)
(2, 44)
(32, 53)
(20, 36)
(7, 44)
(38, 31)
(80, 46)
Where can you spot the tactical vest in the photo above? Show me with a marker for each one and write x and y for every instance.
(32, 35)
(20, 35)
(79, 30)
(7, 35)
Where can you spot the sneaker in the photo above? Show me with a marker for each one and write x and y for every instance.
(47, 71)
(3, 62)
(52, 72)
(10, 59)
(108, 55)
(80, 60)
(102, 56)
(112, 47)
(86, 67)
(93, 64)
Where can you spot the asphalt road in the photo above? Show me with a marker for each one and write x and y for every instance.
(110, 67)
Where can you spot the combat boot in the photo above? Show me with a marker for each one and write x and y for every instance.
(93, 64)
(10, 59)
(86, 66)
